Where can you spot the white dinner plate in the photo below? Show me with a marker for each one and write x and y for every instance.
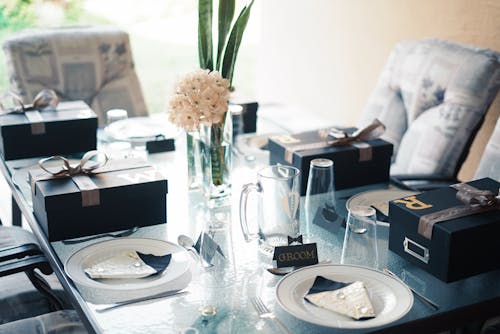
(175, 277)
(378, 198)
(390, 297)
(141, 129)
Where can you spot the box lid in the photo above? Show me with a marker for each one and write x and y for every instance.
(13, 125)
(378, 146)
(138, 181)
(444, 198)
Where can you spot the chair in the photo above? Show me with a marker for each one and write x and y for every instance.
(24, 309)
(432, 96)
(489, 165)
(93, 64)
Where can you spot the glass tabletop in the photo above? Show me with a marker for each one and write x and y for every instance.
(225, 306)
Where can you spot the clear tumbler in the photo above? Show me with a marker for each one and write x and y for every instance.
(360, 241)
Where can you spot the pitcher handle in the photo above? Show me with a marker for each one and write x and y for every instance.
(246, 190)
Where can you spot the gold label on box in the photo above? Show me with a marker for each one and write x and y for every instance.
(412, 203)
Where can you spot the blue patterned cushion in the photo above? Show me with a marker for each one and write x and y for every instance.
(93, 64)
(432, 95)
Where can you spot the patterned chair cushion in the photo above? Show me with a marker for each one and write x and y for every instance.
(432, 96)
(93, 64)
(489, 165)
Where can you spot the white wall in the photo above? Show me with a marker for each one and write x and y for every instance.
(324, 56)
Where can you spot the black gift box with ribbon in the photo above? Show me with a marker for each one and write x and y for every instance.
(451, 232)
(69, 128)
(120, 195)
(356, 163)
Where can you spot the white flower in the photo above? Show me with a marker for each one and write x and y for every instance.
(200, 97)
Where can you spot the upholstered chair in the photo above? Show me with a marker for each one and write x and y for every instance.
(489, 165)
(93, 64)
(432, 96)
(31, 297)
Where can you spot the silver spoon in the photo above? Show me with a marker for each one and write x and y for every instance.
(113, 235)
(188, 244)
(286, 270)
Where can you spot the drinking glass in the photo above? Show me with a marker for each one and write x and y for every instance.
(216, 249)
(278, 209)
(360, 241)
(116, 149)
(320, 197)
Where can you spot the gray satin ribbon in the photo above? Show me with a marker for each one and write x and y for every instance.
(336, 137)
(476, 201)
(80, 173)
(44, 99)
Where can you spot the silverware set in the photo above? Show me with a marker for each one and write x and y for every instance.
(141, 299)
(416, 293)
(265, 313)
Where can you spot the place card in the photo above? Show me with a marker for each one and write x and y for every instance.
(295, 255)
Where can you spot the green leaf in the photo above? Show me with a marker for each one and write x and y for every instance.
(233, 44)
(205, 47)
(226, 14)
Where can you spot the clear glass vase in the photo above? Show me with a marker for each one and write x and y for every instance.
(193, 159)
(216, 161)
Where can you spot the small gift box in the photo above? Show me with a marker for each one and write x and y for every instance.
(359, 157)
(451, 232)
(96, 197)
(44, 129)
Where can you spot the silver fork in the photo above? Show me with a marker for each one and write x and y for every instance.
(265, 313)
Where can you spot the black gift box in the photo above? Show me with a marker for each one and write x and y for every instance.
(133, 194)
(459, 247)
(349, 171)
(71, 128)
(244, 120)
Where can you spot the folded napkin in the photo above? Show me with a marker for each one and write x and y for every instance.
(349, 299)
(381, 216)
(130, 264)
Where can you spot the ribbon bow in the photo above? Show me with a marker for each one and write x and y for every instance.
(89, 162)
(79, 173)
(337, 137)
(475, 200)
(45, 98)
(298, 239)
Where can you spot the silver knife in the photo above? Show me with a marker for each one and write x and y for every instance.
(141, 299)
(421, 296)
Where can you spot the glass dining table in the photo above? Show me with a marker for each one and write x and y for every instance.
(226, 307)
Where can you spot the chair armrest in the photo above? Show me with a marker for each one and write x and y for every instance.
(26, 264)
(424, 177)
(18, 252)
(424, 182)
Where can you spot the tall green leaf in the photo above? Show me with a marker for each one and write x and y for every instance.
(226, 14)
(205, 46)
(233, 44)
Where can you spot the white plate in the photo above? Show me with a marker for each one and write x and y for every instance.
(177, 275)
(390, 297)
(141, 129)
(378, 198)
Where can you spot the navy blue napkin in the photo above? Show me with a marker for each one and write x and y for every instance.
(381, 217)
(322, 284)
(158, 263)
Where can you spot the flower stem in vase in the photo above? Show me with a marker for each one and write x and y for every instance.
(215, 147)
